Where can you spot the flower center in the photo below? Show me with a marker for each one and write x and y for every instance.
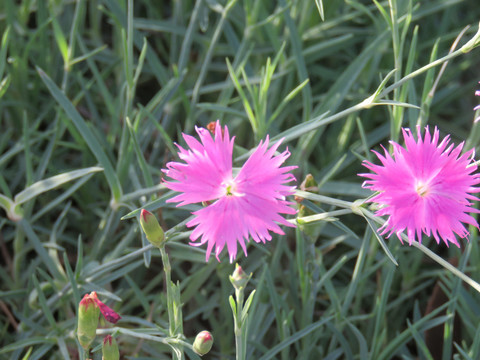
(422, 189)
(231, 188)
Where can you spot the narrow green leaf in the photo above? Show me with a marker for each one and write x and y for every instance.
(71, 278)
(138, 152)
(243, 96)
(61, 41)
(233, 305)
(141, 60)
(3, 50)
(88, 55)
(43, 303)
(27, 342)
(319, 4)
(51, 183)
(87, 134)
(381, 241)
(6, 203)
(40, 249)
(4, 84)
(27, 355)
(294, 338)
(247, 304)
(61, 198)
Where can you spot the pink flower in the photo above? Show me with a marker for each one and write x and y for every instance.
(477, 93)
(238, 206)
(425, 187)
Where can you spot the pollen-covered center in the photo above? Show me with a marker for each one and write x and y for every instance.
(230, 188)
(422, 188)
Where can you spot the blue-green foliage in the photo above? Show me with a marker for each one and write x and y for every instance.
(99, 91)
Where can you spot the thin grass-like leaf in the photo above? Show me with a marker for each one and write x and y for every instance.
(51, 183)
(82, 127)
(293, 338)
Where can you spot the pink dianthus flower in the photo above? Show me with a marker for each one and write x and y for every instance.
(425, 187)
(239, 206)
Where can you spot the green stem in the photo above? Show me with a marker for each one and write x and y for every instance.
(447, 265)
(430, 254)
(145, 334)
(239, 340)
(168, 279)
(172, 319)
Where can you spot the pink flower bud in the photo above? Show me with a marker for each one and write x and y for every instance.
(203, 342)
(239, 278)
(88, 313)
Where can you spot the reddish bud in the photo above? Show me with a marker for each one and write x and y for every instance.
(110, 349)
(203, 342)
(239, 278)
(88, 313)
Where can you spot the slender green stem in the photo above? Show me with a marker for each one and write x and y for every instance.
(324, 199)
(173, 308)
(145, 336)
(326, 216)
(447, 265)
(239, 340)
(430, 254)
(168, 279)
(421, 71)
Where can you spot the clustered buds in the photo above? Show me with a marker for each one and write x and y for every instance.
(110, 349)
(152, 228)
(89, 311)
(239, 278)
(203, 342)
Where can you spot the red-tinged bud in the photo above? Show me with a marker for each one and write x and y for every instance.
(203, 343)
(152, 228)
(239, 278)
(88, 313)
(108, 313)
(110, 349)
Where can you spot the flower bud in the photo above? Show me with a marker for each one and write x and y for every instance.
(239, 278)
(88, 314)
(152, 228)
(110, 349)
(108, 313)
(203, 342)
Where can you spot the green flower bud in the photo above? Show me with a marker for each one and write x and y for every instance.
(203, 342)
(239, 278)
(110, 349)
(152, 228)
(88, 314)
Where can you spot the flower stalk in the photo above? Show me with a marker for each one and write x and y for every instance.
(239, 280)
(156, 237)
